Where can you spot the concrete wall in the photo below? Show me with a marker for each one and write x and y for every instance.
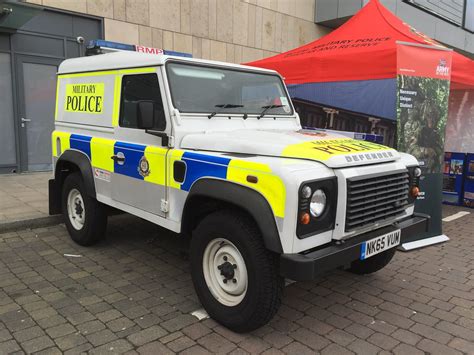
(229, 30)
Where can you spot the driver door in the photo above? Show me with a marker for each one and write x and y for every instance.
(139, 157)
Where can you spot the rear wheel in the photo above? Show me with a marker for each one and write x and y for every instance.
(372, 264)
(85, 217)
(236, 278)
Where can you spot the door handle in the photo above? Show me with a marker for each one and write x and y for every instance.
(25, 119)
(119, 158)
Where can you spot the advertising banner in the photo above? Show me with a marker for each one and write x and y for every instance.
(423, 76)
(460, 126)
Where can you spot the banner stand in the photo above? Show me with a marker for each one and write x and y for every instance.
(423, 80)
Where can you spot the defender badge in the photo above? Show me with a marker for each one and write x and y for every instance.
(143, 167)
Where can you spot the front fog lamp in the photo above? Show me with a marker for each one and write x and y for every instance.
(318, 203)
(417, 172)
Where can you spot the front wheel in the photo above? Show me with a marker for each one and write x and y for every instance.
(236, 278)
(85, 217)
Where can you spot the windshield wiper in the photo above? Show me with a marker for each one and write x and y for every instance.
(221, 107)
(266, 108)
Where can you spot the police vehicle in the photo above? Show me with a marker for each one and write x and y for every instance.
(215, 152)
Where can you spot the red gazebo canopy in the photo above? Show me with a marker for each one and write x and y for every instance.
(364, 48)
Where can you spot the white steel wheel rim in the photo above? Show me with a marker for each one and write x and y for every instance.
(76, 209)
(228, 286)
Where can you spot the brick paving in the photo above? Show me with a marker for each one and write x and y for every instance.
(133, 294)
(23, 196)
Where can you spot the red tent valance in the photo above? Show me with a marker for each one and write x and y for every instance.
(364, 48)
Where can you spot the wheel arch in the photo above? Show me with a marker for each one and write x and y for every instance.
(74, 160)
(216, 192)
(70, 161)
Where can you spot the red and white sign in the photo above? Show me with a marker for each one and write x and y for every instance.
(413, 60)
(148, 50)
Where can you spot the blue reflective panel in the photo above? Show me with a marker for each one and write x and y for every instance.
(132, 153)
(200, 165)
(82, 143)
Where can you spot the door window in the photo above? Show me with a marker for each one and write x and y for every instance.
(136, 88)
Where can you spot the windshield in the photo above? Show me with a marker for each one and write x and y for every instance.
(204, 89)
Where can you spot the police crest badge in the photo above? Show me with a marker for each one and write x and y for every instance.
(144, 167)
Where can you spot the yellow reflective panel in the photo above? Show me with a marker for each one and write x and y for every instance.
(92, 73)
(102, 150)
(57, 95)
(156, 157)
(116, 108)
(84, 97)
(60, 140)
(327, 148)
(268, 184)
(137, 70)
(173, 156)
(109, 72)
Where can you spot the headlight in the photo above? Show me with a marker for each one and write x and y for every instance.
(414, 173)
(318, 203)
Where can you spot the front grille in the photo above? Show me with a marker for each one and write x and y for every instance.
(375, 199)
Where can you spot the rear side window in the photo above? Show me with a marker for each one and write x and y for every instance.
(140, 87)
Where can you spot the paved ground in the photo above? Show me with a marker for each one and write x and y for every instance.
(23, 196)
(133, 293)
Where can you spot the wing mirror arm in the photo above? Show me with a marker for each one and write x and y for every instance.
(165, 139)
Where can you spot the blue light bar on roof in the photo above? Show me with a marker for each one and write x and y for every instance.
(178, 54)
(100, 43)
(95, 47)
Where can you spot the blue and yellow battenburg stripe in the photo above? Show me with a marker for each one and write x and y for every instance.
(100, 150)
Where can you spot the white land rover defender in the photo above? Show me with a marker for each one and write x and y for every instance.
(215, 152)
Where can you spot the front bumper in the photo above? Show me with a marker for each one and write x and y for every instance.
(307, 266)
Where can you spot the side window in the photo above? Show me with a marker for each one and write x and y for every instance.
(140, 87)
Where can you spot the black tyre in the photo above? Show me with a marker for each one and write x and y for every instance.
(85, 217)
(235, 277)
(372, 264)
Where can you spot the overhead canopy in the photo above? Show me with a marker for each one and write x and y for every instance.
(363, 49)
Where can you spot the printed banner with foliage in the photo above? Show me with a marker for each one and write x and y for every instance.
(424, 75)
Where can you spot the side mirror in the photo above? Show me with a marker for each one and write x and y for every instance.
(145, 114)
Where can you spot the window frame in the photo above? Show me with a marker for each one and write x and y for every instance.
(160, 100)
(464, 17)
(441, 17)
(206, 65)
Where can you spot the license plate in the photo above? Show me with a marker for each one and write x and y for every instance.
(381, 243)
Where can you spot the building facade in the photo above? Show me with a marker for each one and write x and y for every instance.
(33, 42)
(228, 30)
